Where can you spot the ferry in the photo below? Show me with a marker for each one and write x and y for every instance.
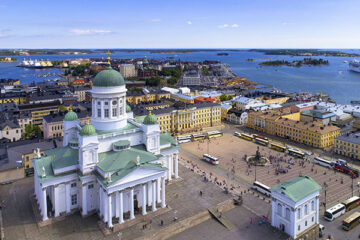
(354, 66)
(35, 64)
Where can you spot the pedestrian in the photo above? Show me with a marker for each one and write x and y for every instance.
(201, 193)
(161, 222)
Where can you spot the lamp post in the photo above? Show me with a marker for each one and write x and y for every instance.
(325, 201)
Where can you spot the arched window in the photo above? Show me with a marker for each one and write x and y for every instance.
(287, 213)
(279, 209)
(312, 205)
(298, 213)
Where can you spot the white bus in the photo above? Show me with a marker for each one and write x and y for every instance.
(214, 134)
(237, 134)
(334, 212)
(184, 139)
(323, 162)
(262, 188)
(211, 159)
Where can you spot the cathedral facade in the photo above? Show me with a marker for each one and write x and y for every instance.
(113, 166)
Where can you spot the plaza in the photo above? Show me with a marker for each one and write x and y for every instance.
(238, 175)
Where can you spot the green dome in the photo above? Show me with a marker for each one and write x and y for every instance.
(145, 61)
(108, 78)
(71, 116)
(128, 108)
(87, 130)
(150, 119)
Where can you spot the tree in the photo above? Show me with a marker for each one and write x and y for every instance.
(225, 97)
(31, 131)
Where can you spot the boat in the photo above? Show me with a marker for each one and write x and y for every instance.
(354, 66)
(355, 102)
(35, 64)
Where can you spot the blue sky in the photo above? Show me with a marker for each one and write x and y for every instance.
(180, 24)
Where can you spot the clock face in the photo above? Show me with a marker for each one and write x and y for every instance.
(114, 102)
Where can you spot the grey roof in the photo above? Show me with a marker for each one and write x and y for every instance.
(12, 152)
(59, 117)
(351, 138)
(235, 111)
(10, 123)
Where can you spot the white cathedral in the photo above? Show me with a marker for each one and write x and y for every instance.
(114, 166)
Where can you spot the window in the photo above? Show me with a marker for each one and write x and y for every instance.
(114, 102)
(298, 227)
(299, 214)
(312, 205)
(312, 219)
(305, 223)
(73, 199)
(287, 213)
(114, 112)
(90, 186)
(99, 112)
(106, 103)
(306, 210)
(99, 103)
(106, 113)
(279, 209)
(73, 184)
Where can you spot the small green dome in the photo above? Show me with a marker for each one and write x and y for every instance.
(145, 61)
(128, 108)
(87, 130)
(71, 116)
(108, 78)
(150, 119)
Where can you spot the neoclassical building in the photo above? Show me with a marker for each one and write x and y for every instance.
(113, 166)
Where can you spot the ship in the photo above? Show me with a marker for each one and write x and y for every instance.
(35, 64)
(354, 66)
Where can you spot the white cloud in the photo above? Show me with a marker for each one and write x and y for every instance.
(89, 31)
(235, 25)
(156, 20)
(189, 22)
(223, 26)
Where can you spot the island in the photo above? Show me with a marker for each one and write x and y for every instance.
(297, 63)
(305, 52)
(222, 54)
(8, 59)
(26, 52)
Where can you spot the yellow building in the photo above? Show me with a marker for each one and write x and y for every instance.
(7, 98)
(138, 97)
(190, 119)
(39, 110)
(348, 145)
(286, 124)
(224, 110)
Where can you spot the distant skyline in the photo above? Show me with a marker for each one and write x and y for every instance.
(180, 24)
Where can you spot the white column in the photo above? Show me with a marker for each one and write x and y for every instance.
(106, 206)
(158, 190)
(84, 202)
(118, 108)
(176, 165)
(110, 109)
(67, 197)
(163, 204)
(121, 218)
(132, 216)
(117, 200)
(109, 224)
(56, 204)
(153, 196)
(102, 109)
(144, 199)
(169, 167)
(101, 203)
(44, 205)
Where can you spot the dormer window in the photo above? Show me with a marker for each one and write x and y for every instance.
(121, 145)
(106, 103)
(74, 143)
(114, 102)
